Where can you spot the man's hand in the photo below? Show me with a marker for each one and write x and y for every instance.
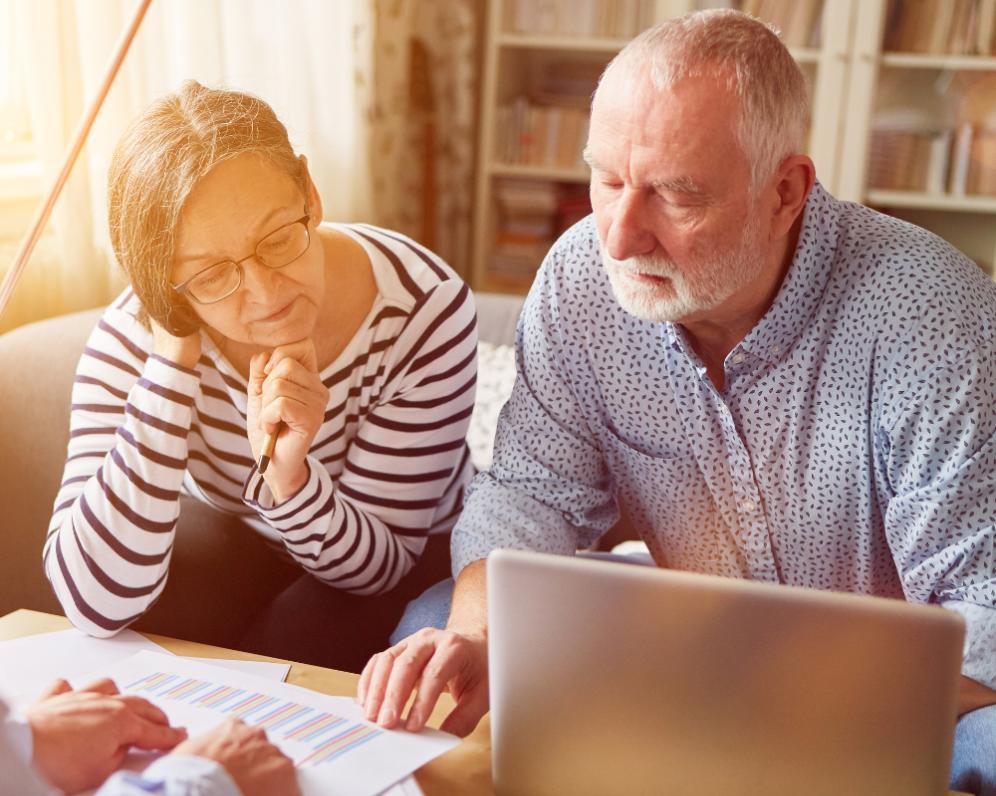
(256, 765)
(184, 351)
(81, 737)
(286, 396)
(433, 661)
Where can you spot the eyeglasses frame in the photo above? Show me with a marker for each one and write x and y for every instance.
(184, 287)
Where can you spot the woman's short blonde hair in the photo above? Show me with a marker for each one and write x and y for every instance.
(164, 152)
(756, 65)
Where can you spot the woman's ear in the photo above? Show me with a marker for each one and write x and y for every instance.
(311, 193)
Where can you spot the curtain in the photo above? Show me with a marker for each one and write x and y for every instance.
(425, 73)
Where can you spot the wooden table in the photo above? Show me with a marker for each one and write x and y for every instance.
(465, 769)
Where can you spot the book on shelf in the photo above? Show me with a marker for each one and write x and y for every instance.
(981, 179)
(797, 20)
(541, 135)
(611, 19)
(940, 27)
(960, 159)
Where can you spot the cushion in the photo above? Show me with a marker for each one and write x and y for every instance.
(495, 377)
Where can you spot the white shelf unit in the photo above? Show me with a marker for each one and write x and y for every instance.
(846, 72)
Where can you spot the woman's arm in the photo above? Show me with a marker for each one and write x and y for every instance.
(402, 468)
(113, 524)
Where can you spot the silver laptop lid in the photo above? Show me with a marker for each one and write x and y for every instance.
(607, 678)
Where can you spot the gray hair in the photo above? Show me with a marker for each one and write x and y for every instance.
(757, 67)
(164, 152)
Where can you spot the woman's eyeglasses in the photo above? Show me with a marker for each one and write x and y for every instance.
(278, 249)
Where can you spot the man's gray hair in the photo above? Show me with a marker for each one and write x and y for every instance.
(758, 70)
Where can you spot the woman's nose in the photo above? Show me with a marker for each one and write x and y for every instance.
(258, 281)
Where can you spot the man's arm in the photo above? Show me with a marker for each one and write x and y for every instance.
(936, 476)
(972, 695)
(548, 489)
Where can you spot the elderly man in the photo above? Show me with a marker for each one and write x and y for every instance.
(770, 383)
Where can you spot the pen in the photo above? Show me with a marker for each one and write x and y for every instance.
(264, 458)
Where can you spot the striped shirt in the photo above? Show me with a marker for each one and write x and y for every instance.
(387, 467)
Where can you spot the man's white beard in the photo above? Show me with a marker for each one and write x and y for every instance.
(707, 284)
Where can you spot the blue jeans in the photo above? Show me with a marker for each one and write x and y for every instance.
(973, 765)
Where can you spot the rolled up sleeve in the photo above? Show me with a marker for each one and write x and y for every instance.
(938, 458)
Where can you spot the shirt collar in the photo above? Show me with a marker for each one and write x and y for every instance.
(801, 290)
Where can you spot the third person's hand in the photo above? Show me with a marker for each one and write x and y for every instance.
(258, 767)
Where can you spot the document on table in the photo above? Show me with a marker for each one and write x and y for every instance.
(337, 752)
(29, 665)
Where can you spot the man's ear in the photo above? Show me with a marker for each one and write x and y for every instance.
(791, 185)
(312, 196)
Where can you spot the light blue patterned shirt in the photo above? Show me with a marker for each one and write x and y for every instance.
(852, 447)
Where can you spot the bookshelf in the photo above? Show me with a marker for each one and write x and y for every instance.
(858, 75)
(922, 83)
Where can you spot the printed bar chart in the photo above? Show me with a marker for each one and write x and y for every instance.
(336, 750)
(328, 736)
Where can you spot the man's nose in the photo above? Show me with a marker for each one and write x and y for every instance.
(628, 234)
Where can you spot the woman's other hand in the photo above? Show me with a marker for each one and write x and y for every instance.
(183, 351)
(286, 397)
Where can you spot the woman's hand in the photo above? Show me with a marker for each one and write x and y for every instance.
(286, 396)
(183, 351)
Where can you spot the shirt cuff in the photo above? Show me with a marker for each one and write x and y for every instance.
(295, 512)
(175, 775)
(17, 732)
(979, 656)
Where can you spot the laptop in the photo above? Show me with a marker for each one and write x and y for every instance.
(615, 679)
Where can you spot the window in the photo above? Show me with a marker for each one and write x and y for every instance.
(20, 170)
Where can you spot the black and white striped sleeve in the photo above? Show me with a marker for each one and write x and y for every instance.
(113, 525)
(365, 532)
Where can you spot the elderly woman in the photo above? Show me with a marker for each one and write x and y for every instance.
(247, 317)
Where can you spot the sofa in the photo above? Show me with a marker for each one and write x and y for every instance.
(37, 363)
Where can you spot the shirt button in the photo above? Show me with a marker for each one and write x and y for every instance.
(776, 349)
(738, 358)
(748, 506)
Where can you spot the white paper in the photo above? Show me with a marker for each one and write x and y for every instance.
(29, 665)
(271, 671)
(338, 752)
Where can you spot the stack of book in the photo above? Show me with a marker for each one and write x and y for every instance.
(951, 27)
(531, 214)
(903, 160)
(960, 161)
(617, 19)
(797, 20)
(544, 135)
